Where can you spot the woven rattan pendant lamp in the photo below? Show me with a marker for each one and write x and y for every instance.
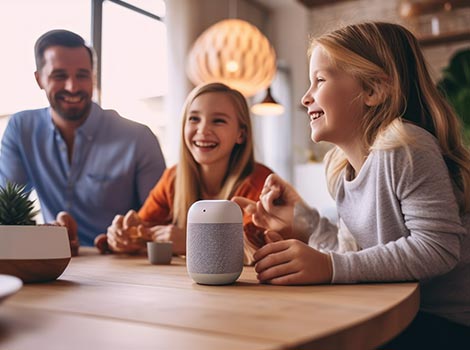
(233, 52)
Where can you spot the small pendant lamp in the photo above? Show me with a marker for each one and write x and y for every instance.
(268, 106)
(233, 52)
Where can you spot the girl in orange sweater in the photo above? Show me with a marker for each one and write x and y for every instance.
(216, 162)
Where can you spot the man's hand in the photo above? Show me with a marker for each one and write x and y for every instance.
(65, 219)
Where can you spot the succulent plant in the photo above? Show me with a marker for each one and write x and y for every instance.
(15, 206)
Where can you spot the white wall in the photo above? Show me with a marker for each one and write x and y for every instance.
(288, 29)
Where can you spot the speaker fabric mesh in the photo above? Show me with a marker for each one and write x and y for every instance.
(215, 248)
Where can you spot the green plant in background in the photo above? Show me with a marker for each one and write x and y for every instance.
(455, 84)
(15, 206)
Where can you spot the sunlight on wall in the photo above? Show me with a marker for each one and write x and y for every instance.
(20, 26)
(134, 67)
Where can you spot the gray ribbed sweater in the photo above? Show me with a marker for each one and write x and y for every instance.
(405, 218)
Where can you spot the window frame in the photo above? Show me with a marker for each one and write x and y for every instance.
(97, 33)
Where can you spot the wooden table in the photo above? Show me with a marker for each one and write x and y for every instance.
(122, 302)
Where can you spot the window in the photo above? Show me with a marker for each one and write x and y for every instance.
(20, 26)
(134, 66)
(133, 52)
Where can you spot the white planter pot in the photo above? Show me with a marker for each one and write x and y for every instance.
(34, 253)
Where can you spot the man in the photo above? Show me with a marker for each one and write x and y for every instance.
(84, 160)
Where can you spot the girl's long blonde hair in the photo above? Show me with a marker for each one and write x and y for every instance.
(386, 58)
(188, 178)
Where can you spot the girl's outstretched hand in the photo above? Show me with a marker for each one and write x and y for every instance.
(292, 262)
(125, 234)
(272, 236)
(167, 233)
(275, 208)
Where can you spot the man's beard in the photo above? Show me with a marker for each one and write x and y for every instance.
(71, 114)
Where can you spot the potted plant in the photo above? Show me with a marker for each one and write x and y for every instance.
(455, 84)
(15, 206)
(34, 253)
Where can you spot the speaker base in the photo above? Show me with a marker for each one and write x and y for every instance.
(215, 278)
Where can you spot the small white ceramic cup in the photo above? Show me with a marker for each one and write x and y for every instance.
(160, 252)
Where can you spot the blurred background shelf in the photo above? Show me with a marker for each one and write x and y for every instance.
(445, 38)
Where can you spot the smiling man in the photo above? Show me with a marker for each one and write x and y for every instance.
(81, 159)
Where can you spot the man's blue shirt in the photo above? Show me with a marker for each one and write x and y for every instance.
(115, 164)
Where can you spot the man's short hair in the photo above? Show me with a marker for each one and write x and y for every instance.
(58, 37)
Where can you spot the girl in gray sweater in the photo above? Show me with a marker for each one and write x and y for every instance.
(400, 175)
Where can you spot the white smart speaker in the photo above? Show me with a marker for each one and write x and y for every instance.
(214, 242)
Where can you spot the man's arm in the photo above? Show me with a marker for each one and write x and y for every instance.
(11, 163)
